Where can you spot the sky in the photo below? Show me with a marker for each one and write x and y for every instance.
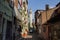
(40, 4)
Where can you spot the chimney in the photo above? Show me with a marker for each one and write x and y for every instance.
(47, 7)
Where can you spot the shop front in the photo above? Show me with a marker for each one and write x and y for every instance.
(5, 21)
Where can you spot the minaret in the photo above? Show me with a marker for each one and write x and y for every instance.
(30, 18)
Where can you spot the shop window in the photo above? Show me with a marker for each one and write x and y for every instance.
(9, 31)
(0, 19)
(58, 33)
(3, 24)
(44, 29)
(37, 20)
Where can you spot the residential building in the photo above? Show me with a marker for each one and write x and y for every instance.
(48, 26)
(10, 19)
(17, 19)
(6, 21)
(38, 20)
(33, 24)
(24, 11)
(50, 23)
(30, 18)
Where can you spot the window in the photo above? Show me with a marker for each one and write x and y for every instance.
(0, 26)
(44, 29)
(3, 24)
(37, 20)
(9, 31)
(0, 19)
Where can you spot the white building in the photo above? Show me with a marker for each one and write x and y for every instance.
(30, 18)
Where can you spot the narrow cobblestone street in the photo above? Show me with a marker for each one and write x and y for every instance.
(29, 19)
(32, 36)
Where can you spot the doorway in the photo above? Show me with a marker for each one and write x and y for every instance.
(9, 31)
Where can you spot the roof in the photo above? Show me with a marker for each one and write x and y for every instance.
(58, 4)
(47, 14)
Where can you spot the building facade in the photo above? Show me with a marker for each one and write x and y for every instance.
(6, 20)
(24, 12)
(50, 23)
(10, 19)
(17, 19)
(38, 20)
(30, 18)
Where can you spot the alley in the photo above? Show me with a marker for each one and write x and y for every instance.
(29, 20)
(32, 36)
